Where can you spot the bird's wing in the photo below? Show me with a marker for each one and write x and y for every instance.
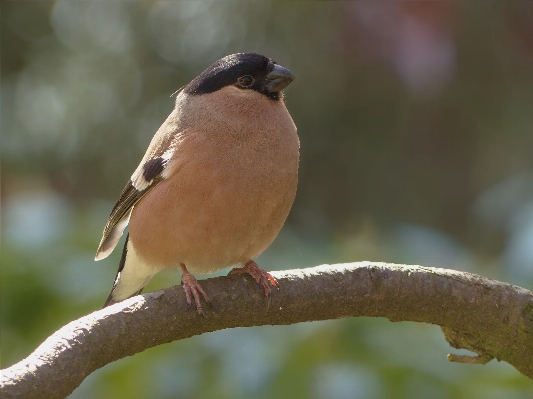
(152, 169)
(119, 218)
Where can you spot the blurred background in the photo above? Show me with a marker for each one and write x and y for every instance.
(416, 128)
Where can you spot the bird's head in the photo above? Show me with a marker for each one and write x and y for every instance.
(246, 71)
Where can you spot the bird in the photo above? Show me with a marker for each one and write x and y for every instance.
(215, 185)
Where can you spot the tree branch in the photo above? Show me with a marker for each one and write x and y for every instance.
(491, 318)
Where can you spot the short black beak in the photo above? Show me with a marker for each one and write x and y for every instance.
(278, 79)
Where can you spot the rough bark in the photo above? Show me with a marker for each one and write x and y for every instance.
(491, 318)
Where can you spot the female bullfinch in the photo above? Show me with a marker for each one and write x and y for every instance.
(216, 183)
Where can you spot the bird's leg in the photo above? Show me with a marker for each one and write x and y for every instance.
(192, 289)
(262, 277)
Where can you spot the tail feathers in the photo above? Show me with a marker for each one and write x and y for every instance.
(110, 301)
(132, 276)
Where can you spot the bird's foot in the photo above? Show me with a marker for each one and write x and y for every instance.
(263, 278)
(193, 290)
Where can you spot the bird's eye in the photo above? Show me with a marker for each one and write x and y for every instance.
(246, 80)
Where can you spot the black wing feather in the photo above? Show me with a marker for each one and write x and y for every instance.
(127, 200)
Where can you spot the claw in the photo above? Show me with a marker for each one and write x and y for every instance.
(193, 290)
(262, 277)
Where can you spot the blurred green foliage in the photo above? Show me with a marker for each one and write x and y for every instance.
(416, 122)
